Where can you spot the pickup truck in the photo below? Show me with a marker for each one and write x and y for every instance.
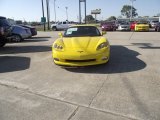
(60, 26)
(5, 31)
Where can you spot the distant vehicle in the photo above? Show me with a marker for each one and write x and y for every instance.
(157, 27)
(108, 26)
(132, 25)
(60, 26)
(142, 26)
(153, 24)
(20, 33)
(5, 31)
(32, 29)
(124, 26)
(117, 23)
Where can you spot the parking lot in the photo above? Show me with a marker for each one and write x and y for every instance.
(32, 87)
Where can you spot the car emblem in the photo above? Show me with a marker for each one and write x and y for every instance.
(80, 51)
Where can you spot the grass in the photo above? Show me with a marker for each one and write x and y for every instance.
(41, 28)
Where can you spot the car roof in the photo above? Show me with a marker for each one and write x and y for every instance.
(83, 25)
(2, 17)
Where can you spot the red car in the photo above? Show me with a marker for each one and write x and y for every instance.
(132, 25)
(108, 26)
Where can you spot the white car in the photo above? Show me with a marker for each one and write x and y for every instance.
(123, 27)
(153, 23)
(60, 26)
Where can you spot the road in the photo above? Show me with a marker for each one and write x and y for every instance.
(32, 87)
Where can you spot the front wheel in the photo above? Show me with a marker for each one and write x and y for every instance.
(16, 38)
(54, 28)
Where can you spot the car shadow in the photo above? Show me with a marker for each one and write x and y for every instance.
(24, 49)
(13, 63)
(146, 46)
(122, 60)
(34, 40)
(40, 37)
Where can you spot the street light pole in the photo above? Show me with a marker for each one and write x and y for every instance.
(43, 16)
(85, 11)
(48, 13)
(55, 10)
(66, 13)
(131, 16)
(80, 11)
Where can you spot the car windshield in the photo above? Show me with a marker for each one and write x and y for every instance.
(4, 22)
(142, 23)
(80, 31)
(155, 21)
(124, 24)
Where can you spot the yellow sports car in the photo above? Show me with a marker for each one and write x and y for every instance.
(81, 45)
(142, 26)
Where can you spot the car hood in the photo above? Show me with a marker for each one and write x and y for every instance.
(107, 25)
(142, 25)
(82, 42)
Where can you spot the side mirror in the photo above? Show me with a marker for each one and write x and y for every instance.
(60, 34)
(104, 32)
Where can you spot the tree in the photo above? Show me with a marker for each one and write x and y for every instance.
(126, 11)
(111, 18)
(90, 18)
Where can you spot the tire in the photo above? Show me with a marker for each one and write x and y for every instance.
(2, 42)
(54, 28)
(16, 38)
(156, 29)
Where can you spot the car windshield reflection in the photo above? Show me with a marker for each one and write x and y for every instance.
(80, 31)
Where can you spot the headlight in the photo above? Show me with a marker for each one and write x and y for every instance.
(102, 45)
(58, 47)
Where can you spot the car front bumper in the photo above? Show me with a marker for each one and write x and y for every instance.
(81, 59)
(107, 29)
(142, 29)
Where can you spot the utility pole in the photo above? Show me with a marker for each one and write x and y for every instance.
(80, 17)
(43, 16)
(80, 11)
(66, 13)
(131, 9)
(85, 11)
(48, 14)
(55, 10)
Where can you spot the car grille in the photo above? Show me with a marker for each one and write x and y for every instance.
(89, 60)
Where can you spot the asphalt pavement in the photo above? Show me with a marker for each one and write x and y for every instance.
(32, 87)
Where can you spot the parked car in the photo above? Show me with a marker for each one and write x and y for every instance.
(81, 45)
(5, 31)
(132, 26)
(60, 26)
(20, 33)
(108, 26)
(153, 24)
(124, 26)
(157, 27)
(32, 29)
(142, 26)
(117, 23)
